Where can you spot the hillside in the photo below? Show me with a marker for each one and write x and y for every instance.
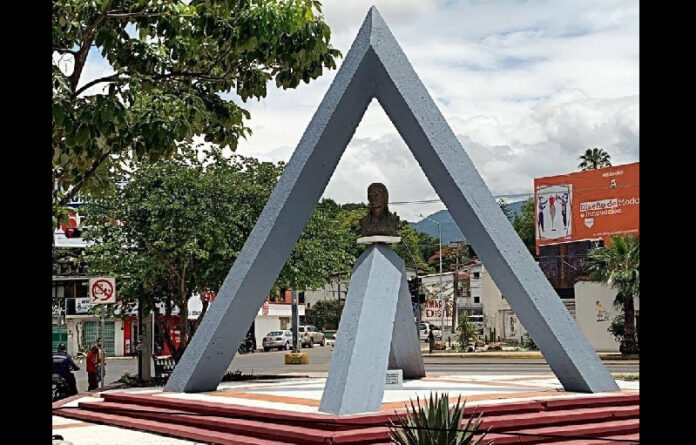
(450, 231)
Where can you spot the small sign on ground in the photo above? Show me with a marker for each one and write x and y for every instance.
(395, 379)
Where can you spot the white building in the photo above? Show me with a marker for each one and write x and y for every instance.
(273, 315)
(499, 322)
(594, 312)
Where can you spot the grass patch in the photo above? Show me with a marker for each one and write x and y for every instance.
(626, 377)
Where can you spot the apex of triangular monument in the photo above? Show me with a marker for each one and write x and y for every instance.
(375, 28)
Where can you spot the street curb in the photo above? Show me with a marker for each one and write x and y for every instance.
(520, 354)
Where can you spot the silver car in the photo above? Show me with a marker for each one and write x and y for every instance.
(277, 339)
(310, 335)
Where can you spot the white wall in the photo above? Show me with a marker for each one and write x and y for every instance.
(263, 325)
(118, 337)
(592, 325)
(496, 310)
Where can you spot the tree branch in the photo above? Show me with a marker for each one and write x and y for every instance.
(85, 177)
(65, 50)
(94, 82)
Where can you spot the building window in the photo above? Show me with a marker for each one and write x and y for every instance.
(477, 275)
(477, 300)
(284, 323)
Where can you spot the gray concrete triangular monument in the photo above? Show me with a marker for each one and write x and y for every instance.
(376, 67)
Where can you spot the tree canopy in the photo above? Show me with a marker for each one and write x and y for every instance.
(177, 226)
(176, 67)
(524, 224)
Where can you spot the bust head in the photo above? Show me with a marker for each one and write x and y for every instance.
(378, 196)
(379, 221)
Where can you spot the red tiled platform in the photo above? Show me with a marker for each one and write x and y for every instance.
(608, 417)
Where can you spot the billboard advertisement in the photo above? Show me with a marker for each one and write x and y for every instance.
(587, 205)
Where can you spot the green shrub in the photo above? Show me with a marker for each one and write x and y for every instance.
(529, 343)
(616, 328)
(466, 332)
(436, 423)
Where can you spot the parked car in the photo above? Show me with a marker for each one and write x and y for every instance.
(424, 330)
(310, 335)
(277, 339)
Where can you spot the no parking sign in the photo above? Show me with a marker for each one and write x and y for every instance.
(102, 290)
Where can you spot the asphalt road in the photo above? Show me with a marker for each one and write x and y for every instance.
(319, 357)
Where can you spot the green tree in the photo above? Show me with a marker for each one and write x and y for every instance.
(506, 209)
(324, 248)
(172, 61)
(427, 244)
(177, 226)
(409, 248)
(618, 265)
(524, 224)
(594, 158)
(324, 313)
(451, 256)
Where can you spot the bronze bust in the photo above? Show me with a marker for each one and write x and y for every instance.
(379, 221)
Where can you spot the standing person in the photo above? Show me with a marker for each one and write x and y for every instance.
(100, 370)
(552, 210)
(63, 365)
(92, 367)
(431, 340)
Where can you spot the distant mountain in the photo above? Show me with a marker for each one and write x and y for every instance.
(450, 230)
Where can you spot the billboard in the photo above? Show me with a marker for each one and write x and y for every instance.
(587, 205)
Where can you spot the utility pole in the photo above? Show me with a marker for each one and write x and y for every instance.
(455, 291)
(295, 321)
(442, 299)
(103, 352)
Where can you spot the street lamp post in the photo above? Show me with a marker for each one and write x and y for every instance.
(442, 300)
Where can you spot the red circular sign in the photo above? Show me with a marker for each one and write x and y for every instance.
(102, 290)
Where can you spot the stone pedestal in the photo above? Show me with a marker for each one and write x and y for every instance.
(377, 328)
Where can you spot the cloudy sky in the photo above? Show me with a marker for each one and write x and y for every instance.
(526, 86)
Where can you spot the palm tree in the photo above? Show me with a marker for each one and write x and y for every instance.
(594, 158)
(618, 265)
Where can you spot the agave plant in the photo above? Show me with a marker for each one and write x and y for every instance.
(436, 423)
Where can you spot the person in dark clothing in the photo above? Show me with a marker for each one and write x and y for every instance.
(431, 340)
(63, 364)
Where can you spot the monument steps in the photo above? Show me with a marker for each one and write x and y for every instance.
(261, 429)
(167, 429)
(609, 417)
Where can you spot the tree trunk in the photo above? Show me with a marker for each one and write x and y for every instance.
(629, 344)
(183, 328)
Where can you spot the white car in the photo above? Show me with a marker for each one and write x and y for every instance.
(424, 331)
(278, 339)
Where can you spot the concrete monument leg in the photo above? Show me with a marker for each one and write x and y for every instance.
(405, 353)
(357, 373)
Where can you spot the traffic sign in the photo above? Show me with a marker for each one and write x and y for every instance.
(102, 290)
